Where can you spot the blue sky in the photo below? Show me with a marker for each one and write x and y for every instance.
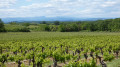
(67, 8)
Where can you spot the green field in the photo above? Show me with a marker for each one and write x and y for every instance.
(11, 36)
(29, 44)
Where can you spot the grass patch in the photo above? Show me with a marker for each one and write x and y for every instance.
(114, 63)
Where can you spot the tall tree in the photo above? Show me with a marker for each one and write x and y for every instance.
(2, 29)
(56, 23)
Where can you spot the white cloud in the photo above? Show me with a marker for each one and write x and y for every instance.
(73, 8)
(109, 4)
(28, 0)
(6, 3)
(6, 10)
(36, 6)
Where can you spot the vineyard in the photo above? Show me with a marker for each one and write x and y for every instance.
(57, 49)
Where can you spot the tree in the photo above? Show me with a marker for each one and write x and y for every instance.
(2, 29)
(13, 23)
(44, 22)
(47, 28)
(62, 28)
(56, 23)
(26, 24)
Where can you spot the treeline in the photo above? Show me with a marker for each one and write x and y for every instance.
(112, 25)
(2, 28)
(12, 27)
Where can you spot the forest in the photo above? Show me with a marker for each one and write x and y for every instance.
(111, 25)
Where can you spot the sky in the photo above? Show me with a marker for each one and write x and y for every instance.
(62, 8)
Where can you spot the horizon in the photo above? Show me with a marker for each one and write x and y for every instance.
(43, 18)
(58, 8)
(58, 16)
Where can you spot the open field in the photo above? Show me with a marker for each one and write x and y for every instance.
(48, 48)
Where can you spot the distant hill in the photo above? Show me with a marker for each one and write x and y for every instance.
(50, 19)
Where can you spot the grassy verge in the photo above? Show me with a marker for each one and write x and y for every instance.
(114, 63)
